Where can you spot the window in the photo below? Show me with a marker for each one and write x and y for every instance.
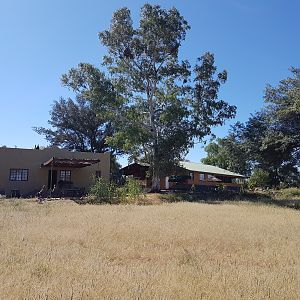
(202, 177)
(65, 175)
(238, 180)
(18, 175)
(226, 179)
(192, 176)
(211, 177)
(98, 174)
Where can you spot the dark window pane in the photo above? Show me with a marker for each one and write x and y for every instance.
(18, 175)
(65, 175)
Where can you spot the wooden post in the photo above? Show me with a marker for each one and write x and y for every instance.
(51, 179)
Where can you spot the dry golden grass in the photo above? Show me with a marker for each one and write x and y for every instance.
(61, 250)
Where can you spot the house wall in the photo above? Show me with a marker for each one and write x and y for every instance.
(139, 171)
(136, 171)
(206, 182)
(31, 159)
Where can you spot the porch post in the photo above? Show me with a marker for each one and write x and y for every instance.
(51, 178)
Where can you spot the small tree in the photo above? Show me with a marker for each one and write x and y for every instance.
(133, 189)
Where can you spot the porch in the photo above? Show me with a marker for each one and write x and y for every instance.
(65, 178)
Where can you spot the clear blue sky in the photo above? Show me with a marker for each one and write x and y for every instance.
(255, 41)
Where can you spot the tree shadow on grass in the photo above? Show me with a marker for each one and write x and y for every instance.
(219, 197)
(294, 204)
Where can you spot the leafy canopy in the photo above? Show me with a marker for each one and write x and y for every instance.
(229, 153)
(84, 123)
(270, 140)
(167, 104)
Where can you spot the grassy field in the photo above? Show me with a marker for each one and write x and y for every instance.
(62, 250)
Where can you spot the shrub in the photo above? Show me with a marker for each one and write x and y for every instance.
(130, 192)
(134, 189)
(104, 191)
(259, 178)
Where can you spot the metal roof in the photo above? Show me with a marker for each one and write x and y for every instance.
(199, 167)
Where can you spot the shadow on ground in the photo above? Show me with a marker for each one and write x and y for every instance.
(218, 197)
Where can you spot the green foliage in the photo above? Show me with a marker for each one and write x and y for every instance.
(104, 191)
(283, 105)
(84, 123)
(167, 105)
(131, 192)
(228, 153)
(259, 178)
(269, 140)
(115, 166)
(272, 136)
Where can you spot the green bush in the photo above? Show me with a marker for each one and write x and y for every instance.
(259, 178)
(104, 191)
(134, 189)
(130, 192)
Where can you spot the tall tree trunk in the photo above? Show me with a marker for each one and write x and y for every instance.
(155, 184)
(151, 88)
(155, 173)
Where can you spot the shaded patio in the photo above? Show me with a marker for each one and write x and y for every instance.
(63, 187)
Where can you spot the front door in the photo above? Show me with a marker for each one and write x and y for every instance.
(52, 178)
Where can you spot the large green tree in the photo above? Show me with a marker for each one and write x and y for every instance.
(283, 110)
(281, 141)
(229, 153)
(270, 140)
(167, 105)
(84, 123)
